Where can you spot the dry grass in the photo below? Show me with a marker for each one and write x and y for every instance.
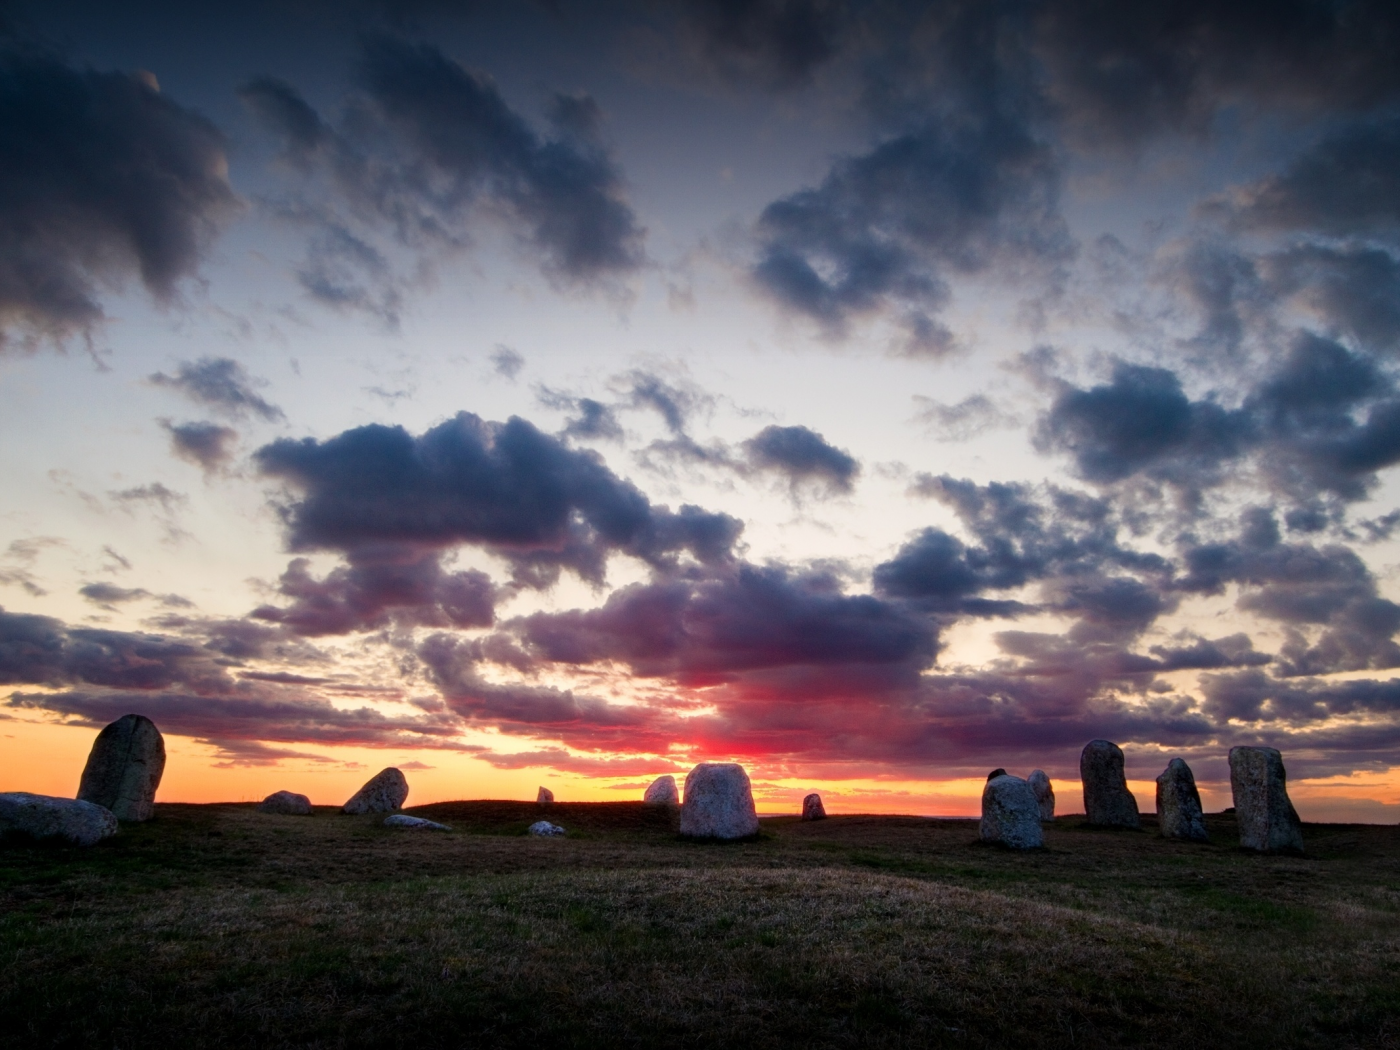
(218, 926)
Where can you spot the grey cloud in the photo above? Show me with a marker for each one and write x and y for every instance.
(773, 42)
(207, 445)
(222, 384)
(803, 457)
(973, 415)
(507, 362)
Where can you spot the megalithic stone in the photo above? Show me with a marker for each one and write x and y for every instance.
(718, 802)
(1107, 800)
(124, 768)
(812, 808)
(1044, 793)
(662, 792)
(1268, 822)
(1010, 814)
(1179, 804)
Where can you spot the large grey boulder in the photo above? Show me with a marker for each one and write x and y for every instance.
(544, 829)
(1010, 813)
(74, 821)
(1107, 800)
(1179, 804)
(403, 820)
(1268, 822)
(383, 793)
(124, 768)
(718, 802)
(662, 792)
(544, 796)
(1044, 793)
(812, 808)
(287, 803)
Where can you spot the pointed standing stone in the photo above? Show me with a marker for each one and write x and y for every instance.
(662, 792)
(1179, 804)
(544, 796)
(124, 768)
(383, 793)
(812, 808)
(1010, 813)
(718, 802)
(1044, 793)
(1268, 822)
(1107, 800)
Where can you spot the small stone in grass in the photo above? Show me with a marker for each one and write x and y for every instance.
(545, 829)
(403, 820)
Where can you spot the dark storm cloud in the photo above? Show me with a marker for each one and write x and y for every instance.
(207, 445)
(1355, 289)
(802, 455)
(773, 42)
(222, 384)
(504, 486)
(102, 178)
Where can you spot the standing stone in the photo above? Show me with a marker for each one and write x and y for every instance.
(1107, 800)
(662, 792)
(74, 821)
(812, 808)
(718, 802)
(287, 803)
(1044, 793)
(1011, 813)
(383, 793)
(1179, 804)
(544, 797)
(124, 768)
(1268, 822)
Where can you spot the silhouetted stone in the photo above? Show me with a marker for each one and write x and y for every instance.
(545, 829)
(544, 796)
(662, 792)
(74, 821)
(1268, 822)
(403, 820)
(1010, 813)
(998, 772)
(718, 802)
(382, 793)
(287, 803)
(1179, 804)
(1107, 800)
(812, 808)
(1044, 793)
(124, 768)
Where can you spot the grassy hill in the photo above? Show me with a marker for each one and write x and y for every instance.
(218, 926)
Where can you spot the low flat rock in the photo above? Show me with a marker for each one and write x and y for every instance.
(41, 817)
(1179, 804)
(383, 793)
(662, 792)
(1107, 800)
(403, 820)
(545, 829)
(287, 803)
(1268, 822)
(124, 768)
(544, 796)
(812, 808)
(1010, 813)
(718, 802)
(1044, 793)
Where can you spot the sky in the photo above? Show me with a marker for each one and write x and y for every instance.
(550, 393)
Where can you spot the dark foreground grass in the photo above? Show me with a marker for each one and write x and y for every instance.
(217, 926)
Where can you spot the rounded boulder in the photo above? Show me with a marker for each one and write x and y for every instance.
(718, 802)
(287, 803)
(662, 792)
(40, 817)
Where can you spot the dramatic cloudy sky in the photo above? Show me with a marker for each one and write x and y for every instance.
(874, 393)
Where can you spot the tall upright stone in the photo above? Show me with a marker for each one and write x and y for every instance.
(718, 802)
(544, 796)
(812, 808)
(1010, 813)
(1044, 793)
(1179, 804)
(384, 792)
(124, 768)
(1107, 800)
(662, 792)
(1268, 822)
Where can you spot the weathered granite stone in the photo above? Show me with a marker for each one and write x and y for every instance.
(1179, 804)
(288, 803)
(1011, 813)
(1268, 822)
(662, 792)
(124, 768)
(1044, 793)
(812, 808)
(1107, 800)
(383, 793)
(74, 821)
(998, 772)
(403, 820)
(718, 802)
(544, 796)
(547, 830)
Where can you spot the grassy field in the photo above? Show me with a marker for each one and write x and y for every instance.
(217, 926)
